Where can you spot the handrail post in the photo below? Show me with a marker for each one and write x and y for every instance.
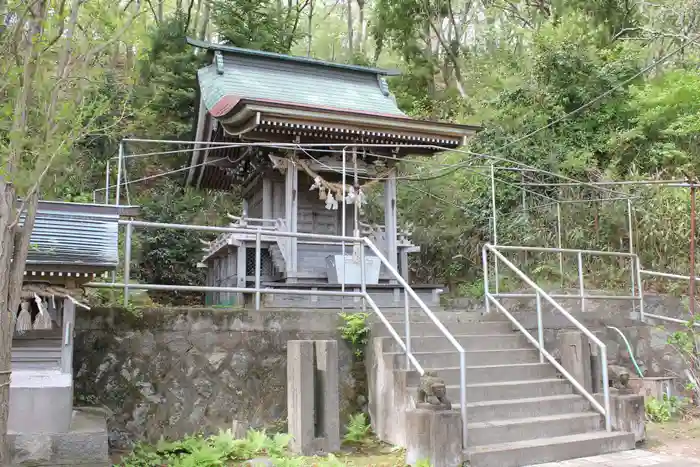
(363, 278)
(407, 318)
(640, 285)
(631, 245)
(463, 396)
(485, 267)
(118, 188)
(540, 331)
(606, 389)
(257, 268)
(580, 282)
(559, 245)
(107, 182)
(127, 262)
(494, 214)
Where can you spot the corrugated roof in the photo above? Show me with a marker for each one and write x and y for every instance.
(269, 79)
(74, 234)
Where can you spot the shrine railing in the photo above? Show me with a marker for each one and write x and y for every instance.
(259, 234)
(540, 295)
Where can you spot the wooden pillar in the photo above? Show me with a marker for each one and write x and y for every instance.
(203, 132)
(404, 264)
(267, 199)
(390, 219)
(291, 190)
(67, 338)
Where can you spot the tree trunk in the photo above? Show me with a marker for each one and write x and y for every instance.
(361, 20)
(197, 14)
(7, 197)
(160, 11)
(309, 29)
(205, 20)
(12, 257)
(351, 47)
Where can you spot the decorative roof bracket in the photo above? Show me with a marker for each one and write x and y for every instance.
(219, 59)
(383, 85)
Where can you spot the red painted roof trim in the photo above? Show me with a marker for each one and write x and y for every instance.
(228, 102)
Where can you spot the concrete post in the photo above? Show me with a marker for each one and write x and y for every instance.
(627, 413)
(435, 436)
(576, 356)
(300, 395)
(313, 396)
(329, 413)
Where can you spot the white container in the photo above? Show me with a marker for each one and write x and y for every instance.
(352, 272)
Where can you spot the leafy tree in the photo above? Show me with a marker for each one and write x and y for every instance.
(259, 24)
(167, 90)
(167, 256)
(51, 66)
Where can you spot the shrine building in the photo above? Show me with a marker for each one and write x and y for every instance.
(302, 124)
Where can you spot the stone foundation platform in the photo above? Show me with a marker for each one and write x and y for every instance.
(84, 445)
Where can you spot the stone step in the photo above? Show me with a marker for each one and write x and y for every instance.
(469, 342)
(522, 429)
(430, 329)
(508, 390)
(490, 373)
(560, 448)
(451, 358)
(525, 408)
(417, 315)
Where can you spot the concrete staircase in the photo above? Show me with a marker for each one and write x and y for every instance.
(520, 411)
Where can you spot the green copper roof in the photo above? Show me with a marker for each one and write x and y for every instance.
(228, 49)
(247, 74)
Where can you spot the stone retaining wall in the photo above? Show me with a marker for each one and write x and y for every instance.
(173, 372)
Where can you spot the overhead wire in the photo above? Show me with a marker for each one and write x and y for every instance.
(170, 172)
(457, 166)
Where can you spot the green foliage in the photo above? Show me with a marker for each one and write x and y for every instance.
(423, 463)
(665, 409)
(258, 24)
(167, 88)
(355, 331)
(222, 449)
(358, 429)
(212, 451)
(167, 256)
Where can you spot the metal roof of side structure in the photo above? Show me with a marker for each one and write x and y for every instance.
(74, 237)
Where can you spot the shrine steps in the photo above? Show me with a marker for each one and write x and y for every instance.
(520, 411)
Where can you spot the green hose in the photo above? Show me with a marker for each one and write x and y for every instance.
(629, 349)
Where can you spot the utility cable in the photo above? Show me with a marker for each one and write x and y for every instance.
(150, 177)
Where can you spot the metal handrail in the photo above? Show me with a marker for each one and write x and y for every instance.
(258, 290)
(408, 291)
(539, 342)
(666, 275)
(634, 272)
(565, 250)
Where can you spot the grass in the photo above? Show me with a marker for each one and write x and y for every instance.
(679, 438)
(370, 453)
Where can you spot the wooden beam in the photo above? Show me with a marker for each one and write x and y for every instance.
(199, 136)
(67, 338)
(291, 193)
(267, 198)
